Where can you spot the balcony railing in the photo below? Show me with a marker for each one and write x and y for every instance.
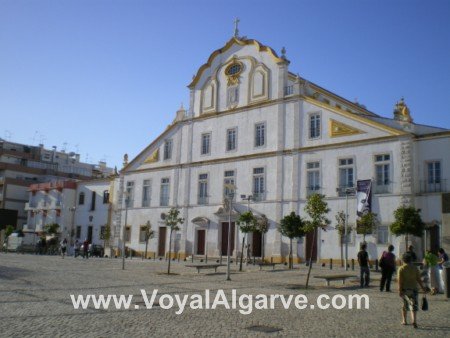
(202, 200)
(258, 196)
(382, 188)
(313, 190)
(30, 205)
(430, 187)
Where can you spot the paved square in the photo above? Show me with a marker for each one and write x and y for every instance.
(35, 301)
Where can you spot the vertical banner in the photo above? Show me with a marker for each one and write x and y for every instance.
(363, 197)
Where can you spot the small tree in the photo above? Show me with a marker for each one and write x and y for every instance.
(172, 221)
(106, 236)
(149, 233)
(262, 226)
(51, 229)
(8, 231)
(367, 224)
(316, 208)
(247, 224)
(340, 227)
(407, 222)
(292, 226)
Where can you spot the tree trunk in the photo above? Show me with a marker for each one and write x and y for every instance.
(170, 249)
(310, 258)
(242, 252)
(342, 251)
(262, 248)
(146, 246)
(406, 241)
(290, 254)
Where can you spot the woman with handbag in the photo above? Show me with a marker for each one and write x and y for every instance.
(387, 265)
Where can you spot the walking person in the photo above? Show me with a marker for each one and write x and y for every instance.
(387, 264)
(412, 253)
(76, 249)
(363, 260)
(63, 247)
(408, 281)
(430, 264)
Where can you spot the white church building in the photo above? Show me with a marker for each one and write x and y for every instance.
(279, 137)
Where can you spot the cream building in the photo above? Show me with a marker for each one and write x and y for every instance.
(278, 137)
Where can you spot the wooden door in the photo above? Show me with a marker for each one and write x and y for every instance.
(162, 241)
(201, 234)
(225, 238)
(309, 244)
(434, 239)
(256, 244)
(89, 234)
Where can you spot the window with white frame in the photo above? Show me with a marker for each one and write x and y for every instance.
(258, 184)
(206, 144)
(130, 194)
(164, 196)
(260, 134)
(167, 149)
(382, 173)
(314, 126)
(231, 139)
(313, 178)
(146, 193)
(382, 234)
(203, 189)
(229, 181)
(433, 177)
(346, 174)
(142, 233)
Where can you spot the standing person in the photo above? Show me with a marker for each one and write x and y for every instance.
(408, 281)
(443, 262)
(412, 253)
(430, 264)
(63, 246)
(363, 260)
(387, 264)
(86, 248)
(76, 248)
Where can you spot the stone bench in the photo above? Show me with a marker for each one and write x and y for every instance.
(267, 264)
(204, 266)
(329, 278)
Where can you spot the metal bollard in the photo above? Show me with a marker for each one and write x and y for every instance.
(192, 258)
(446, 279)
(331, 263)
(206, 259)
(376, 265)
(220, 259)
(178, 257)
(353, 264)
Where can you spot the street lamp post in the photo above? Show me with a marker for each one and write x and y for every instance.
(348, 191)
(124, 229)
(248, 199)
(229, 197)
(72, 210)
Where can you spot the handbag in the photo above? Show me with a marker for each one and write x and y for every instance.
(424, 303)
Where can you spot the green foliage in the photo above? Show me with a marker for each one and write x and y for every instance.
(262, 225)
(292, 226)
(316, 208)
(407, 222)
(51, 229)
(247, 222)
(367, 224)
(107, 233)
(173, 220)
(149, 233)
(9, 230)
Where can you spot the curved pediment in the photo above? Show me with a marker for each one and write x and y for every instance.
(241, 42)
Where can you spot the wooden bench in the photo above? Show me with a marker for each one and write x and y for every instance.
(267, 264)
(329, 278)
(204, 266)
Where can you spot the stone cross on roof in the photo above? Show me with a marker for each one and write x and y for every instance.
(236, 30)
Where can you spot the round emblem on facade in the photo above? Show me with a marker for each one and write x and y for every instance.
(234, 69)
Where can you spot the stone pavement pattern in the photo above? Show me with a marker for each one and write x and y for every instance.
(35, 301)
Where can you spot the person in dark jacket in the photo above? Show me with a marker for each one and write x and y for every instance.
(387, 265)
(363, 260)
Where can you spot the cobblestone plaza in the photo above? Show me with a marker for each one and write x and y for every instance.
(35, 301)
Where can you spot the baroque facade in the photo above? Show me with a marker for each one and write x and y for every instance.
(278, 137)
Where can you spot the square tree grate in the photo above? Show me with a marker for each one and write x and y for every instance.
(263, 328)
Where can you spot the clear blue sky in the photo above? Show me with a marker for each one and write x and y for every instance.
(106, 77)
